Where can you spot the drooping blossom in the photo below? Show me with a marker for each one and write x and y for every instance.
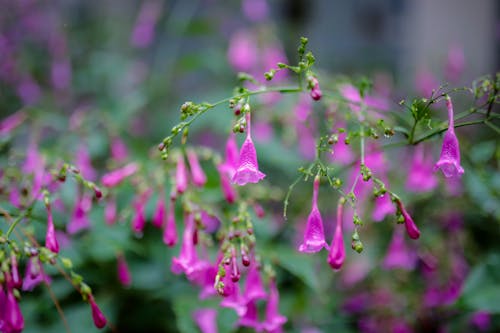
(144, 29)
(113, 178)
(449, 161)
(123, 272)
(139, 217)
(170, 229)
(206, 319)
(231, 293)
(119, 151)
(79, 220)
(15, 280)
(110, 214)
(8, 124)
(274, 320)
(421, 177)
(242, 51)
(3, 303)
(337, 250)
(97, 316)
(159, 215)
(251, 317)
(232, 156)
(398, 254)
(181, 177)
(34, 274)
(248, 167)
(12, 316)
(383, 206)
(225, 184)
(411, 227)
(254, 289)
(314, 236)
(197, 175)
(50, 237)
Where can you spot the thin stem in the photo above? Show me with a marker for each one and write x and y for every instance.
(58, 307)
(441, 130)
(288, 193)
(492, 126)
(362, 144)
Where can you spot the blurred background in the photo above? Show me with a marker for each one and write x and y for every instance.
(88, 71)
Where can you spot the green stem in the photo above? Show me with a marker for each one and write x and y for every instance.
(290, 189)
(441, 130)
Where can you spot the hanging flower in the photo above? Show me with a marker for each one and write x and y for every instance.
(398, 255)
(251, 317)
(34, 274)
(197, 174)
(337, 250)
(113, 178)
(206, 319)
(254, 289)
(79, 220)
(411, 227)
(449, 161)
(12, 316)
(139, 218)
(170, 230)
(97, 315)
(181, 177)
(50, 237)
(314, 236)
(248, 168)
(273, 320)
(420, 177)
(123, 271)
(159, 215)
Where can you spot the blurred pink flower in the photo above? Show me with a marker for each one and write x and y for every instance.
(274, 321)
(123, 271)
(242, 51)
(181, 177)
(255, 10)
(50, 237)
(114, 178)
(398, 254)
(197, 175)
(337, 249)
(206, 319)
(9, 123)
(97, 315)
(421, 177)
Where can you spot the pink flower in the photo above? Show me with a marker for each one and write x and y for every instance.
(123, 271)
(398, 255)
(248, 168)
(231, 293)
(337, 250)
(97, 315)
(113, 178)
(449, 161)
(12, 316)
(352, 95)
(242, 51)
(144, 29)
(11, 122)
(314, 236)
(411, 227)
(160, 211)
(110, 211)
(254, 289)
(170, 231)
(197, 174)
(139, 218)
(50, 237)
(34, 274)
(79, 220)
(16, 281)
(225, 184)
(181, 177)
(251, 317)
(315, 93)
(383, 207)
(420, 178)
(425, 82)
(273, 320)
(255, 10)
(206, 319)
(118, 150)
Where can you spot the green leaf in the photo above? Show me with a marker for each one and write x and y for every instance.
(482, 287)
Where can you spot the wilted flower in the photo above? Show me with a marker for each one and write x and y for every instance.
(449, 161)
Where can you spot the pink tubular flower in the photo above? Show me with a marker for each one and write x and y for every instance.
(206, 319)
(251, 318)
(449, 161)
(11, 122)
(118, 149)
(314, 236)
(254, 289)
(225, 184)
(197, 174)
(232, 156)
(398, 255)
(123, 271)
(273, 320)
(231, 293)
(160, 211)
(50, 237)
(411, 227)
(34, 274)
(139, 218)
(170, 231)
(97, 315)
(12, 316)
(248, 168)
(337, 250)
(420, 178)
(115, 177)
(16, 281)
(110, 211)
(79, 220)
(181, 177)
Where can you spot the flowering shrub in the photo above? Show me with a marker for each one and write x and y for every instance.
(217, 226)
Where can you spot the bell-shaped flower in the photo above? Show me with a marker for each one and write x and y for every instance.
(337, 250)
(12, 316)
(274, 320)
(314, 235)
(449, 161)
(197, 175)
(139, 217)
(251, 317)
(79, 220)
(181, 177)
(97, 315)
(232, 296)
(398, 254)
(170, 229)
(248, 167)
(160, 211)
(34, 274)
(232, 156)
(113, 178)
(206, 319)
(421, 177)
(383, 207)
(50, 237)
(254, 289)
(123, 271)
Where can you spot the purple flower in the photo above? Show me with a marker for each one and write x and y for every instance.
(248, 168)
(225, 184)
(170, 231)
(123, 271)
(231, 293)
(255, 10)
(50, 237)
(421, 177)
(337, 250)
(411, 227)
(398, 255)
(79, 220)
(254, 289)
(160, 211)
(113, 178)
(197, 174)
(273, 320)
(314, 236)
(97, 315)
(206, 319)
(251, 317)
(383, 206)
(449, 161)
(34, 274)
(139, 218)
(12, 316)
(11, 122)
(144, 29)
(60, 74)
(181, 177)
(481, 320)
(242, 51)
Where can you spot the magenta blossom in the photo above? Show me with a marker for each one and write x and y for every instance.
(160, 211)
(97, 315)
(255, 10)
(254, 289)
(251, 318)
(232, 296)
(248, 168)
(314, 236)
(118, 150)
(170, 231)
(11, 122)
(12, 316)
(206, 319)
(315, 93)
(337, 250)
(398, 255)
(197, 174)
(79, 220)
(115, 177)
(50, 237)
(449, 161)
(420, 177)
(411, 227)
(181, 177)
(123, 271)
(273, 320)
(110, 215)
(34, 274)
(242, 51)
(139, 218)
